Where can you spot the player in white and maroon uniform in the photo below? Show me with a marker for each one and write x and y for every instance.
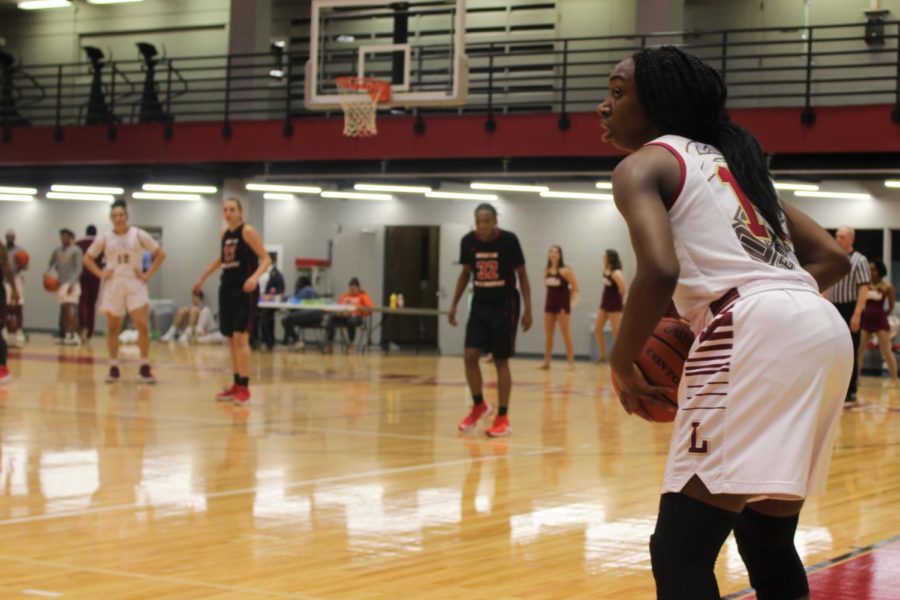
(763, 385)
(124, 285)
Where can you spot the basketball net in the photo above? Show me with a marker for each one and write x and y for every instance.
(359, 100)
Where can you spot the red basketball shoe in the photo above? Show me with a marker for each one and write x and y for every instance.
(500, 427)
(241, 395)
(227, 394)
(478, 410)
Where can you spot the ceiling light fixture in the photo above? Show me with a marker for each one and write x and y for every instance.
(890, 183)
(603, 185)
(399, 189)
(277, 196)
(508, 187)
(462, 196)
(797, 187)
(18, 190)
(73, 196)
(112, 1)
(165, 196)
(355, 196)
(87, 189)
(15, 198)
(576, 195)
(189, 189)
(275, 187)
(838, 195)
(42, 4)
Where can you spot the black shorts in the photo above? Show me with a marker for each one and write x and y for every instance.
(492, 326)
(236, 309)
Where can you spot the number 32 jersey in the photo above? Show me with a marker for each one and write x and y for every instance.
(493, 264)
(721, 240)
(123, 253)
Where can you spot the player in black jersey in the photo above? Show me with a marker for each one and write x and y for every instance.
(493, 259)
(243, 259)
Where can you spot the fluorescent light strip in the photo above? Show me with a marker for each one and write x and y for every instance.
(18, 190)
(462, 196)
(15, 198)
(603, 185)
(290, 189)
(798, 187)
(112, 1)
(508, 187)
(576, 195)
(355, 196)
(190, 189)
(41, 4)
(399, 189)
(277, 196)
(72, 196)
(838, 195)
(889, 183)
(87, 189)
(163, 196)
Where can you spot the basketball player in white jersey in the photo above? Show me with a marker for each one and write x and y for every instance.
(124, 285)
(764, 382)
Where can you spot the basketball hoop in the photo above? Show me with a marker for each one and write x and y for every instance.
(359, 99)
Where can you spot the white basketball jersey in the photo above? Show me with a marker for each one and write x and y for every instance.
(721, 240)
(123, 253)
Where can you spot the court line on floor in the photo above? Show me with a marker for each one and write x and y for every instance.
(827, 563)
(261, 490)
(157, 578)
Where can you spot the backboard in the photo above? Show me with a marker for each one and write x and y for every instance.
(416, 45)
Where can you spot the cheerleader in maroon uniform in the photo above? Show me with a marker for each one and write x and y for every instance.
(612, 300)
(874, 320)
(562, 294)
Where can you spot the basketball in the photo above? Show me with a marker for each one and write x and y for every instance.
(51, 283)
(21, 257)
(662, 361)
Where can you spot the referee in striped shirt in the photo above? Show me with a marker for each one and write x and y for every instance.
(849, 295)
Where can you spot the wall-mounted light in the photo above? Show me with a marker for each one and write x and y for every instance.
(166, 196)
(188, 189)
(288, 189)
(357, 196)
(399, 189)
(797, 187)
(575, 195)
(42, 4)
(508, 187)
(462, 196)
(277, 196)
(890, 183)
(86, 189)
(836, 195)
(85, 197)
(603, 185)
(16, 198)
(22, 191)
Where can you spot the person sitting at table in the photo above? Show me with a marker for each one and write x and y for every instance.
(356, 297)
(303, 290)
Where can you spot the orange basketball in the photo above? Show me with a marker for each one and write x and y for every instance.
(51, 283)
(662, 361)
(21, 257)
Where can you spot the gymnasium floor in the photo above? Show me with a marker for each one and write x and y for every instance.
(346, 479)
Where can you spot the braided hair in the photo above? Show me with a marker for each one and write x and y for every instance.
(682, 95)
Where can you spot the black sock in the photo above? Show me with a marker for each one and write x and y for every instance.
(237, 379)
(477, 399)
(501, 412)
(244, 381)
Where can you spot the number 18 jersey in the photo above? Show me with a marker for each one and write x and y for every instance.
(721, 240)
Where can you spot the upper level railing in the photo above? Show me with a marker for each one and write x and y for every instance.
(805, 67)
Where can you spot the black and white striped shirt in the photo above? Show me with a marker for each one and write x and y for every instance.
(847, 289)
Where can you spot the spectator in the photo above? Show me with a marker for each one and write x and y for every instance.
(192, 322)
(272, 290)
(90, 288)
(67, 262)
(360, 300)
(303, 290)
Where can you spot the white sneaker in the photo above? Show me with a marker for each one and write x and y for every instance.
(20, 339)
(72, 340)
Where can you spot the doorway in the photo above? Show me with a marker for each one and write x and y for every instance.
(411, 268)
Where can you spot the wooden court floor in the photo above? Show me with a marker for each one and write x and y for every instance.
(346, 479)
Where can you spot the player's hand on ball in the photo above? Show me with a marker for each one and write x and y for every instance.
(250, 285)
(451, 316)
(635, 392)
(526, 321)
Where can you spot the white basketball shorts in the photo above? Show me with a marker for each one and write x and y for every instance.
(20, 287)
(69, 294)
(761, 394)
(119, 295)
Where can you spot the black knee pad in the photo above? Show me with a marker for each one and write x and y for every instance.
(684, 548)
(766, 545)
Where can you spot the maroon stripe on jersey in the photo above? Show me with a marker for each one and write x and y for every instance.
(711, 394)
(720, 335)
(671, 200)
(724, 301)
(721, 320)
(711, 347)
(701, 358)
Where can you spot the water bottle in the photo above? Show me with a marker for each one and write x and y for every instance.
(399, 300)
(393, 301)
